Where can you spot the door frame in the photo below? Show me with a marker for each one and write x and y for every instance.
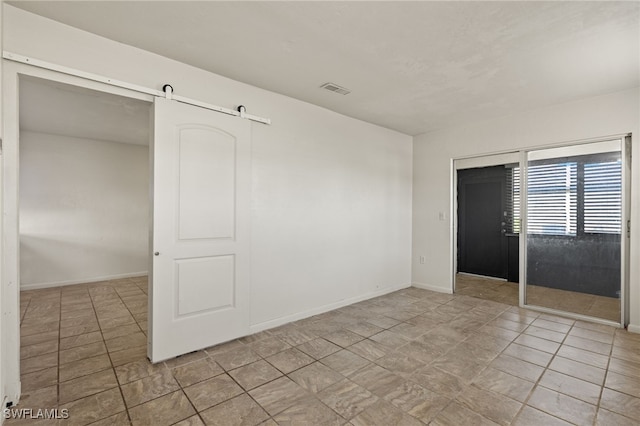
(10, 198)
(520, 156)
(625, 152)
(461, 163)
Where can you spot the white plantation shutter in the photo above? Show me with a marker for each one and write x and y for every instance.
(552, 199)
(603, 197)
(513, 200)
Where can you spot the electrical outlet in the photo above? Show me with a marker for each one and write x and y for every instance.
(423, 259)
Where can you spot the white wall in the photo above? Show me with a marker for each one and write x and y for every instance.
(331, 198)
(84, 208)
(616, 113)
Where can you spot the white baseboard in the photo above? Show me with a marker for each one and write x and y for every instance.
(13, 392)
(322, 309)
(632, 328)
(433, 288)
(35, 286)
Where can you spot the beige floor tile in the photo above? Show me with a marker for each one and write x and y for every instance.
(421, 351)
(586, 357)
(621, 403)
(309, 412)
(504, 384)
(517, 367)
(212, 391)
(497, 408)
(369, 349)
(80, 340)
(268, 346)
(125, 342)
(418, 348)
(364, 329)
(78, 322)
(82, 352)
(456, 414)
(78, 313)
(377, 380)
(290, 360)
(255, 374)
(241, 410)
(343, 338)
(191, 421)
(137, 370)
(503, 333)
(390, 339)
(185, 359)
(345, 362)
(83, 367)
(38, 363)
(165, 410)
(149, 388)
(95, 407)
(576, 388)
(120, 419)
(81, 329)
(39, 398)
(417, 401)
(460, 367)
(626, 368)
(196, 371)
(39, 338)
(578, 370)
(626, 354)
(609, 418)
(319, 348)
(530, 416)
(39, 349)
(565, 407)
(347, 398)
(588, 345)
(128, 355)
(400, 363)
(528, 354)
(551, 325)
(383, 413)
(544, 333)
(236, 358)
(107, 323)
(439, 381)
(125, 330)
(538, 343)
(592, 335)
(624, 384)
(315, 377)
(87, 385)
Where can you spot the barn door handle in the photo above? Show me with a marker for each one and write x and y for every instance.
(157, 253)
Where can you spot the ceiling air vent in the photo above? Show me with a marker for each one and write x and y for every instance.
(335, 88)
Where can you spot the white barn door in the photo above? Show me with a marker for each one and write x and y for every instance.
(200, 243)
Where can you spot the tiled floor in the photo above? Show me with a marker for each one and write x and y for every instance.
(568, 301)
(408, 358)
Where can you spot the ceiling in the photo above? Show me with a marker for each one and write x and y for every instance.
(61, 109)
(411, 66)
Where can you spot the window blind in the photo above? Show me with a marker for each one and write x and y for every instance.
(603, 197)
(552, 199)
(513, 200)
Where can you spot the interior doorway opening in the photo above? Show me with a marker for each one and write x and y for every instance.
(487, 238)
(84, 213)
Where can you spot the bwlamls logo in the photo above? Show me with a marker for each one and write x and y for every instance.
(40, 413)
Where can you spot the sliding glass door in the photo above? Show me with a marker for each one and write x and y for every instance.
(574, 229)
